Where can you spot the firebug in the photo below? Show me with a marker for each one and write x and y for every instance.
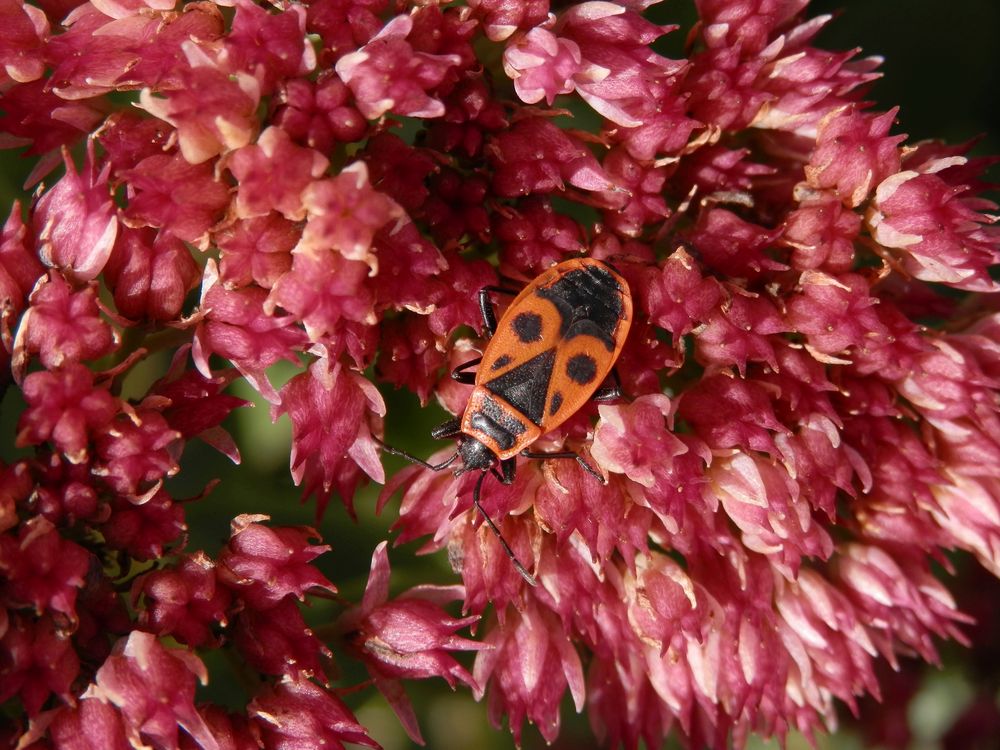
(549, 354)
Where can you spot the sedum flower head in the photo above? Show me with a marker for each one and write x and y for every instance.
(810, 427)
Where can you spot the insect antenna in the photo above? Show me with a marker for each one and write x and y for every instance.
(413, 459)
(503, 542)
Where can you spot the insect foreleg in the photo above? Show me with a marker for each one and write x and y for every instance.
(460, 375)
(503, 542)
(486, 307)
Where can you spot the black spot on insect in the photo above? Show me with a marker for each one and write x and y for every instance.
(581, 368)
(502, 361)
(528, 327)
(557, 399)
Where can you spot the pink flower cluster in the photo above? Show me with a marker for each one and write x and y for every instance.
(812, 373)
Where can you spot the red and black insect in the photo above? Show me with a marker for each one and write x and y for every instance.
(549, 354)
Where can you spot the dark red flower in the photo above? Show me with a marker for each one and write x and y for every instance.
(937, 230)
(270, 46)
(150, 274)
(263, 565)
(25, 29)
(834, 313)
(742, 331)
(319, 114)
(501, 18)
(144, 526)
(42, 569)
(257, 250)
(75, 223)
(196, 406)
(36, 660)
(534, 156)
(296, 714)
(236, 327)
(272, 175)
(734, 247)
(171, 194)
(91, 723)
(333, 415)
(408, 637)
(212, 109)
(277, 641)
(63, 325)
(680, 297)
(38, 118)
(411, 356)
(398, 170)
(19, 267)
(66, 408)
(534, 236)
(530, 664)
(185, 602)
(345, 212)
(344, 25)
(231, 731)
(153, 688)
(137, 451)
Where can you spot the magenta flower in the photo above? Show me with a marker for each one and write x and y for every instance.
(389, 75)
(298, 714)
(138, 678)
(75, 222)
(38, 661)
(300, 204)
(185, 602)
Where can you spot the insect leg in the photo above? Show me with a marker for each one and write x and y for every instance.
(609, 392)
(508, 466)
(503, 542)
(568, 454)
(466, 378)
(486, 307)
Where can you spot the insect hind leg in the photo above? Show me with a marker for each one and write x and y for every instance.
(611, 392)
(568, 454)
